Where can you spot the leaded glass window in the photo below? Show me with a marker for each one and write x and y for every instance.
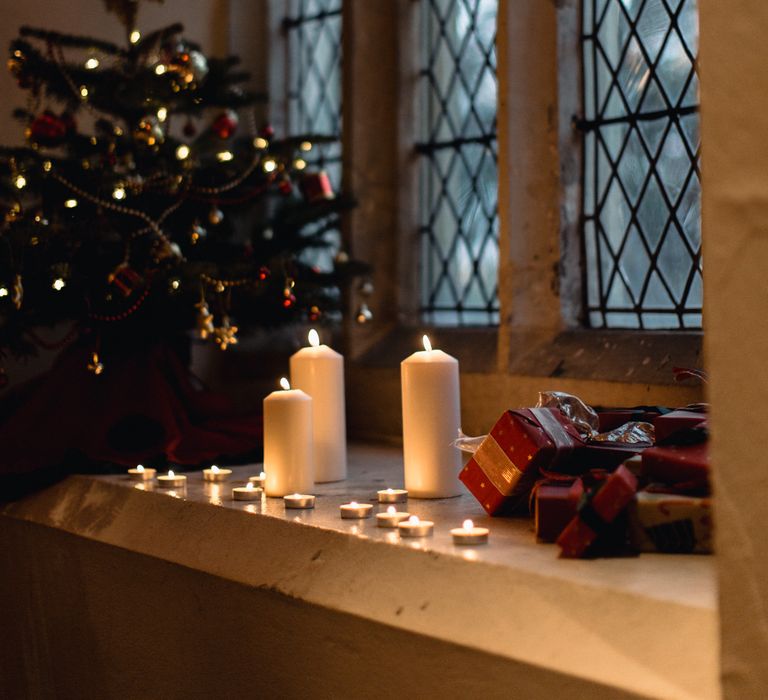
(458, 175)
(313, 29)
(642, 192)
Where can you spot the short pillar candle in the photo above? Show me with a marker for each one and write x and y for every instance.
(431, 422)
(249, 492)
(258, 480)
(392, 495)
(288, 456)
(299, 501)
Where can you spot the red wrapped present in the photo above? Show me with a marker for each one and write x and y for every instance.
(671, 523)
(677, 464)
(501, 473)
(599, 508)
(556, 503)
(612, 418)
(677, 422)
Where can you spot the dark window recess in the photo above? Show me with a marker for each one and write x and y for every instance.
(459, 249)
(313, 29)
(642, 191)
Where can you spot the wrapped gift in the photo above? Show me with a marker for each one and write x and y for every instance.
(556, 503)
(503, 469)
(678, 423)
(671, 523)
(612, 418)
(677, 464)
(597, 512)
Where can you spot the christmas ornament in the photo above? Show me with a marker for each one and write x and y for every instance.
(266, 131)
(215, 215)
(189, 66)
(285, 187)
(364, 314)
(204, 320)
(50, 130)
(17, 292)
(149, 131)
(125, 279)
(314, 314)
(225, 125)
(316, 187)
(226, 334)
(197, 232)
(95, 365)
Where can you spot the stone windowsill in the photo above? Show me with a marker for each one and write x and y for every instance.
(645, 625)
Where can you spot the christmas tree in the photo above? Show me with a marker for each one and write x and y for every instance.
(145, 205)
(146, 202)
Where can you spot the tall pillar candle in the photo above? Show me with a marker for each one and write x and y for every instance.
(431, 420)
(319, 371)
(288, 454)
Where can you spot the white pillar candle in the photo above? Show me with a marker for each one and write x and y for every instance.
(355, 510)
(391, 517)
(288, 458)
(249, 492)
(319, 371)
(469, 534)
(141, 473)
(216, 475)
(413, 527)
(392, 496)
(431, 421)
(171, 480)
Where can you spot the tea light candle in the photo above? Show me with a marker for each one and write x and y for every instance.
(288, 455)
(413, 527)
(141, 473)
(319, 371)
(215, 474)
(355, 510)
(299, 501)
(172, 480)
(391, 518)
(469, 534)
(258, 481)
(431, 421)
(249, 492)
(392, 496)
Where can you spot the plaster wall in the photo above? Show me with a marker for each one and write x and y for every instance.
(735, 225)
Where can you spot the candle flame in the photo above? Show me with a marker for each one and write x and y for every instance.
(389, 490)
(353, 504)
(249, 486)
(427, 344)
(214, 469)
(295, 495)
(140, 468)
(468, 525)
(263, 475)
(414, 520)
(391, 510)
(170, 473)
(284, 383)
(314, 338)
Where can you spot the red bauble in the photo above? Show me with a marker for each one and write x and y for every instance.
(49, 129)
(266, 131)
(225, 124)
(316, 187)
(285, 187)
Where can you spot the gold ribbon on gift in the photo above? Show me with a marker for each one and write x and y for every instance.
(497, 466)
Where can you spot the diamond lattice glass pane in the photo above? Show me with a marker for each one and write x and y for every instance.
(314, 98)
(642, 233)
(458, 174)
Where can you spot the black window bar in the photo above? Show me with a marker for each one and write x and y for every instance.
(313, 29)
(642, 192)
(458, 163)
(314, 79)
